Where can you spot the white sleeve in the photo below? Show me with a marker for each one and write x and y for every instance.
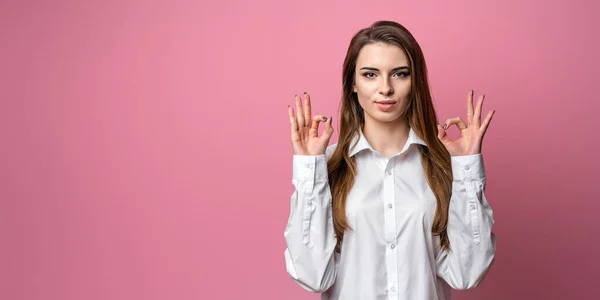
(309, 233)
(470, 220)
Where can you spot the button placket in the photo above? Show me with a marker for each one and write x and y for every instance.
(389, 199)
(308, 208)
(473, 211)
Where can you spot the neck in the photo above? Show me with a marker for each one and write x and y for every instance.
(387, 138)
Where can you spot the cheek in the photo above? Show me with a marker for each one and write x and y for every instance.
(363, 93)
(403, 88)
(365, 88)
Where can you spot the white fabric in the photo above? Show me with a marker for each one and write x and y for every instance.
(390, 252)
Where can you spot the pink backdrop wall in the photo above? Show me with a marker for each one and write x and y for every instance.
(145, 146)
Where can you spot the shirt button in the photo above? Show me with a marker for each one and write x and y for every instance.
(389, 172)
(393, 289)
(309, 202)
(390, 205)
(472, 206)
(467, 168)
(393, 246)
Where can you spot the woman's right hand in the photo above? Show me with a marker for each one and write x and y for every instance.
(306, 128)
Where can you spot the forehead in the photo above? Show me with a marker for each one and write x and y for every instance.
(381, 55)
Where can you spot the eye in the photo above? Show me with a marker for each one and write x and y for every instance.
(369, 74)
(402, 74)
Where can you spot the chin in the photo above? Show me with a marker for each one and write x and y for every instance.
(385, 117)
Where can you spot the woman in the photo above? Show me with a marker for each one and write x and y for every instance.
(395, 209)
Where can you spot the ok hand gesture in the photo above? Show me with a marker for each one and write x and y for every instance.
(306, 128)
(471, 135)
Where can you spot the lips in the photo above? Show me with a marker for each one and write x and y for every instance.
(386, 102)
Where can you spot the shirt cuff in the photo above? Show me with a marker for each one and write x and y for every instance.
(468, 167)
(309, 167)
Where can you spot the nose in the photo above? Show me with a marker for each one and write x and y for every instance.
(386, 88)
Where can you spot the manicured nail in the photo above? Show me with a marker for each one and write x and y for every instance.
(324, 118)
(471, 91)
(304, 93)
(445, 126)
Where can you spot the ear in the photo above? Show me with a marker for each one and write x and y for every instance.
(354, 88)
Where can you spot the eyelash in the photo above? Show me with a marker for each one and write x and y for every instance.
(405, 74)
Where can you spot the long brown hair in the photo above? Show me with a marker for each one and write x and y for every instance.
(420, 116)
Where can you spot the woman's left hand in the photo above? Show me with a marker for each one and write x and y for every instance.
(471, 135)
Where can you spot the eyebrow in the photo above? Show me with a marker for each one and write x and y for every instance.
(394, 69)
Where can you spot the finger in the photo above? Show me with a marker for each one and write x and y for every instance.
(299, 113)
(477, 116)
(314, 128)
(328, 129)
(307, 112)
(470, 107)
(455, 121)
(442, 135)
(292, 120)
(487, 120)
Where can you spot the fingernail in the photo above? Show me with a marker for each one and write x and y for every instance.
(324, 118)
(288, 105)
(304, 93)
(445, 126)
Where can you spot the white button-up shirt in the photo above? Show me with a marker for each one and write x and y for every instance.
(390, 252)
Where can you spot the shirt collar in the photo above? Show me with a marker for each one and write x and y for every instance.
(364, 144)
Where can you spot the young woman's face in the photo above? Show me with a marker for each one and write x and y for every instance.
(382, 75)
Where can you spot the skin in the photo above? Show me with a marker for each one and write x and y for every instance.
(382, 73)
(379, 76)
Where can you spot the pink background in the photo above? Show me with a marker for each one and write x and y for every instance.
(145, 144)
